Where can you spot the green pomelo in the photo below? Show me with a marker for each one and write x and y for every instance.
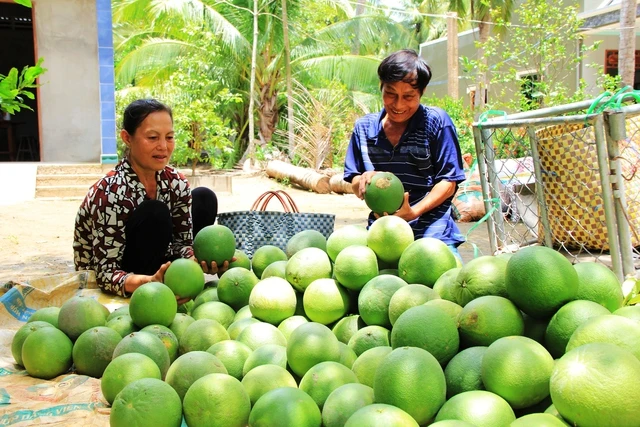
(258, 334)
(269, 354)
(202, 334)
(238, 326)
(347, 326)
(384, 193)
(168, 338)
(126, 369)
(265, 256)
(180, 323)
(380, 414)
(47, 353)
(388, 237)
(215, 310)
(366, 365)
(243, 313)
(464, 371)
(322, 379)
(264, 378)
(216, 400)
(325, 301)
(374, 299)
(272, 300)
(232, 354)
(597, 283)
(451, 308)
(207, 295)
(355, 266)
(242, 260)
(153, 303)
(538, 420)
(185, 278)
(147, 401)
(190, 367)
(22, 334)
(347, 355)
(287, 326)
(147, 344)
(93, 350)
(79, 314)
(310, 344)
(630, 312)
(369, 337)
(343, 402)
(608, 328)
(478, 407)
(46, 314)
(535, 328)
(346, 236)
(305, 239)
(540, 280)
(285, 407)
(275, 269)
(235, 285)
(123, 325)
(566, 320)
(214, 243)
(120, 311)
(441, 338)
(445, 286)
(307, 265)
(518, 370)
(488, 318)
(407, 297)
(425, 260)
(411, 379)
(596, 385)
(481, 276)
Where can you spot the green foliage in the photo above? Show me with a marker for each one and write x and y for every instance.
(462, 118)
(543, 45)
(26, 3)
(14, 87)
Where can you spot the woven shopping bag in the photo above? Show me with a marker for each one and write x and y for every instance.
(258, 226)
(572, 185)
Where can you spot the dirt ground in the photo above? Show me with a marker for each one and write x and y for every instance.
(36, 236)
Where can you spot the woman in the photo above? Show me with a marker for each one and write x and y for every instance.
(417, 143)
(137, 218)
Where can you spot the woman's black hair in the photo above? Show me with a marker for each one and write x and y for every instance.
(405, 66)
(138, 110)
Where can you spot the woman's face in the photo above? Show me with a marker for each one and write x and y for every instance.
(401, 101)
(151, 145)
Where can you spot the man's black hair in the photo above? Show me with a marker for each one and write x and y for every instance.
(405, 66)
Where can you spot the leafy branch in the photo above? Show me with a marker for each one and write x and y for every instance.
(15, 87)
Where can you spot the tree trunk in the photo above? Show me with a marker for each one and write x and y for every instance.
(287, 66)
(355, 46)
(627, 46)
(339, 185)
(304, 177)
(268, 112)
(254, 53)
(484, 30)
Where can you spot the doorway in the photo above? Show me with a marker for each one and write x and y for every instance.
(19, 133)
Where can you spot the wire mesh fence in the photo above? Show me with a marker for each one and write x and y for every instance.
(566, 179)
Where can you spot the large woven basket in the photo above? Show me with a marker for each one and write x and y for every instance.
(572, 185)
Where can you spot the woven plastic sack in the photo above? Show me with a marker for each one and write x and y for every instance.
(572, 185)
(259, 227)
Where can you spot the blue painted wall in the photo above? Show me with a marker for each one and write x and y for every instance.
(107, 88)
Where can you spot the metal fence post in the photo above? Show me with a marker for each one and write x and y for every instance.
(615, 132)
(494, 185)
(482, 169)
(607, 197)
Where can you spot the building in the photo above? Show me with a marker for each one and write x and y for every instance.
(601, 23)
(73, 117)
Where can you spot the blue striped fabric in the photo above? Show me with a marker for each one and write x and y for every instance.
(427, 153)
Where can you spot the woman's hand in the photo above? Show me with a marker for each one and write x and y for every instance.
(134, 281)
(213, 268)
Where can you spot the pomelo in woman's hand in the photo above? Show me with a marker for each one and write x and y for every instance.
(384, 193)
(214, 243)
(185, 278)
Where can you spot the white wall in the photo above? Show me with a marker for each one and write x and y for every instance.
(66, 36)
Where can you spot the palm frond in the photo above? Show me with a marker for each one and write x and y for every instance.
(355, 72)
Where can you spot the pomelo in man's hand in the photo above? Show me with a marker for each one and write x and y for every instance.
(384, 193)
(185, 278)
(214, 243)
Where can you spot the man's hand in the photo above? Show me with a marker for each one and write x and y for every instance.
(363, 180)
(406, 212)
